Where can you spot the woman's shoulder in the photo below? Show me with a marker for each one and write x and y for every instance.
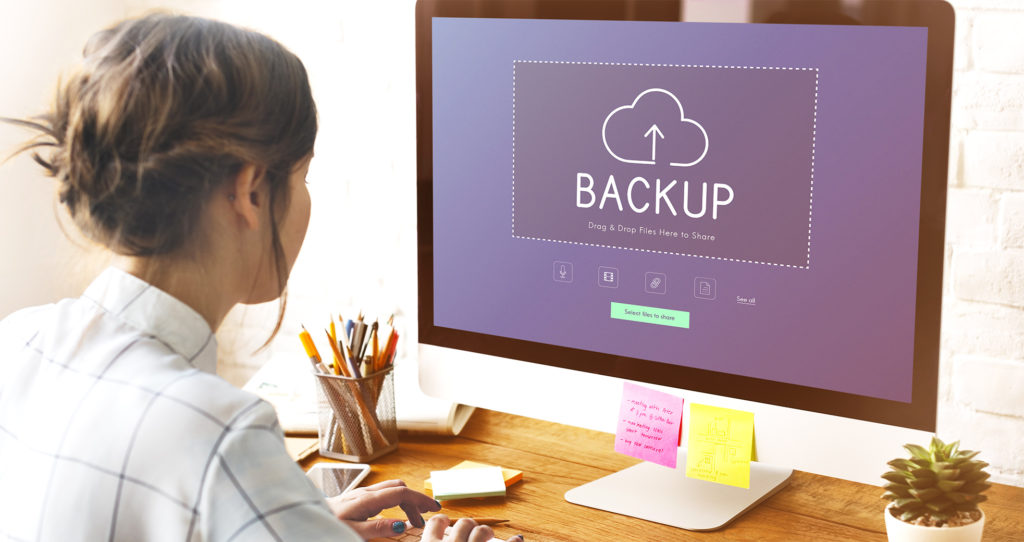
(211, 397)
(23, 319)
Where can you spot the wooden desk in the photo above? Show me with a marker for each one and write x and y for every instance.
(555, 458)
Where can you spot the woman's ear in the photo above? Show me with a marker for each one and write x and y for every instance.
(246, 199)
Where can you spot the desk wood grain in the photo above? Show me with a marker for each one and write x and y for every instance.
(555, 458)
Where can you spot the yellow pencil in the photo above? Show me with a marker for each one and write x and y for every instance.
(387, 344)
(375, 354)
(337, 356)
(307, 344)
(314, 356)
(332, 336)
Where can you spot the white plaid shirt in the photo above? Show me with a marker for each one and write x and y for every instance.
(113, 426)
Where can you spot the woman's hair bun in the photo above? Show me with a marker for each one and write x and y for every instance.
(161, 111)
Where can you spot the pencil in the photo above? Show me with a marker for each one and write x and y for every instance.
(479, 521)
(314, 356)
(391, 349)
(332, 337)
(353, 363)
(338, 367)
(376, 348)
(383, 362)
(307, 344)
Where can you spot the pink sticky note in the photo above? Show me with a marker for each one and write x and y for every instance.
(649, 425)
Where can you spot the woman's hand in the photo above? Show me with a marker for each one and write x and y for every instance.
(358, 505)
(466, 530)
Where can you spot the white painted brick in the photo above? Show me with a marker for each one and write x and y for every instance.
(1011, 220)
(990, 276)
(971, 217)
(945, 376)
(988, 101)
(962, 5)
(994, 159)
(982, 329)
(998, 43)
(961, 41)
(998, 438)
(984, 384)
(954, 175)
(947, 275)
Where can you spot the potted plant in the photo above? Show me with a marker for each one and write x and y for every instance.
(935, 494)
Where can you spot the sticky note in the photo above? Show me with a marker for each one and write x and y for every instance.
(720, 445)
(649, 423)
(511, 476)
(467, 483)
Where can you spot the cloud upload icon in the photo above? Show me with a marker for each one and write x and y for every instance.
(643, 123)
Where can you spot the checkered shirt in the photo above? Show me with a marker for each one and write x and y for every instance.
(113, 426)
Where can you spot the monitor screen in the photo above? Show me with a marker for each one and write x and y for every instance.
(743, 209)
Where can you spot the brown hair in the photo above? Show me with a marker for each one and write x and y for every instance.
(162, 110)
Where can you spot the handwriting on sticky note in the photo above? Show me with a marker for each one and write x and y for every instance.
(649, 424)
(719, 446)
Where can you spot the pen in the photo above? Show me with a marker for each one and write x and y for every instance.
(358, 336)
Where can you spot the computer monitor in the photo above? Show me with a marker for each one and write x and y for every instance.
(745, 208)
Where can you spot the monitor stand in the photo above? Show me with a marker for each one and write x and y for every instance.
(663, 495)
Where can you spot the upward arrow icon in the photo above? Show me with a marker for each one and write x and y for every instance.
(654, 134)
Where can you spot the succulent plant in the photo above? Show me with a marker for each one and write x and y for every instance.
(935, 483)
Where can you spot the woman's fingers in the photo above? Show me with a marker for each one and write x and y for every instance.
(370, 503)
(433, 531)
(378, 528)
(460, 532)
(384, 485)
(466, 530)
(360, 491)
(480, 533)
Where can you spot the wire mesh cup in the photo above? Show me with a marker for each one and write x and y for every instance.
(357, 415)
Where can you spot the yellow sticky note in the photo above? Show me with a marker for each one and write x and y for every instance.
(511, 476)
(720, 444)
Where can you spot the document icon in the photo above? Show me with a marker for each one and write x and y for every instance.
(705, 288)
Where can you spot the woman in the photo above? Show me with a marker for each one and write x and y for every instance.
(182, 145)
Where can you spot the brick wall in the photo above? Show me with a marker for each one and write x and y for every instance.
(982, 378)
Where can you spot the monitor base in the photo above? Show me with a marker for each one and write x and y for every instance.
(663, 495)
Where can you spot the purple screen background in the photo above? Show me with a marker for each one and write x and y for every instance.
(844, 322)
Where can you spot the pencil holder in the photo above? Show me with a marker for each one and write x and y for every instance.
(357, 415)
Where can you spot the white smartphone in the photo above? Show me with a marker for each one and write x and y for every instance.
(337, 478)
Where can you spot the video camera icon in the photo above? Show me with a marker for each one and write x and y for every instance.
(607, 277)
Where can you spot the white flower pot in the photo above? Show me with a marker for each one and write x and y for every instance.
(901, 531)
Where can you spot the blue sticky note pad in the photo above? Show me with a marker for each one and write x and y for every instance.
(467, 483)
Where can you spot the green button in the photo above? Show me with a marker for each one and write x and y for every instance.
(650, 315)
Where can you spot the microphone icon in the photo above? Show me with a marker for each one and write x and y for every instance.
(561, 271)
